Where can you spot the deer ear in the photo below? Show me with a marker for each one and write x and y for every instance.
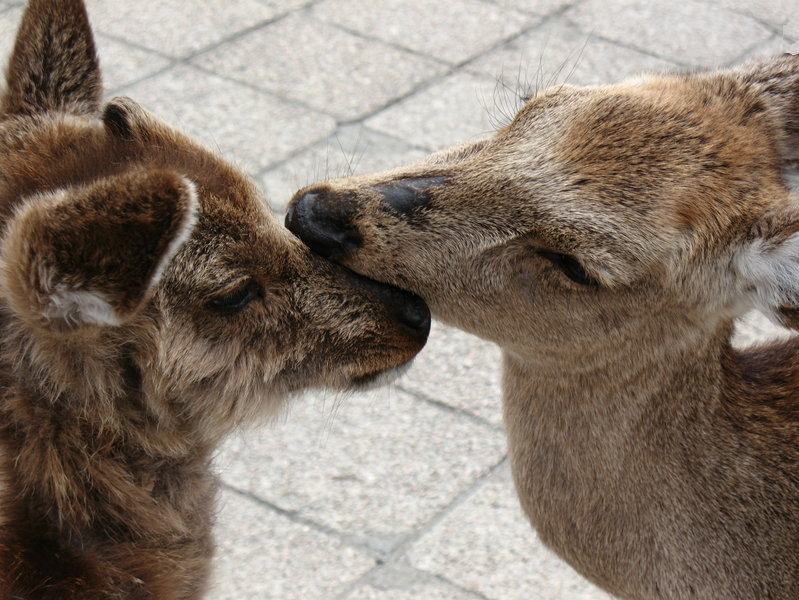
(54, 64)
(92, 255)
(768, 265)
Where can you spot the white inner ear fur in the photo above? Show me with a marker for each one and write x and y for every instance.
(76, 306)
(80, 307)
(771, 271)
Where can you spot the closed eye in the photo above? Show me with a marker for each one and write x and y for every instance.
(569, 266)
(231, 302)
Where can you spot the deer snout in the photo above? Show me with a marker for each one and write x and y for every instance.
(323, 218)
(323, 222)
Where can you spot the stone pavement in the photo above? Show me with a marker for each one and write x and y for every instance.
(405, 493)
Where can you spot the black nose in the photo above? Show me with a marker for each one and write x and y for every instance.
(322, 223)
(414, 314)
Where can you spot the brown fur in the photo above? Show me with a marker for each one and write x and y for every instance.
(607, 239)
(149, 304)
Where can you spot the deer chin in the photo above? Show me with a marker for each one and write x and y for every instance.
(371, 381)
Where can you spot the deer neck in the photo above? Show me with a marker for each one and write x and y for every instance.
(592, 435)
(674, 363)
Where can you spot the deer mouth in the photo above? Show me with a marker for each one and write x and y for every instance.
(406, 322)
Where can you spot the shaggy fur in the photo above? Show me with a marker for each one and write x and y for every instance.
(149, 304)
(606, 239)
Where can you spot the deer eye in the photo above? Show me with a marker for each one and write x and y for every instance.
(233, 301)
(570, 268)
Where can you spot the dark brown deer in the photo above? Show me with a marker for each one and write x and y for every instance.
(149, 304)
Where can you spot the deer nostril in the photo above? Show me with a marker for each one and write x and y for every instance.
(324, 226)
(405, 195)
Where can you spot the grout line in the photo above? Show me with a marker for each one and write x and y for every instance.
(382, 42)
(458, 586)
(743, 56)
(348, 539)
(421, 86)
(455, 410)
(236, 36)
(405, 543)
(121, 89)
(135, 45)
(742, 13)
(188, 59)
(454, 68)
(621, 44)
(449, 70)
(459, 499)
(331, 137)
(285, 99)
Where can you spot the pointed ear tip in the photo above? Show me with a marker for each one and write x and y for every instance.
(55, 52)
(159, 186)
(121, 115)
(191, 199)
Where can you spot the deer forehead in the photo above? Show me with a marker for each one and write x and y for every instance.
(697, 156)
(638, 173)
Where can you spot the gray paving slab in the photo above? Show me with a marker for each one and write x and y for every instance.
(774, 46)
(372, 466)
(283, 6)
(690, 32)
(459, 370)
(322, 66)
(538, 7)
(774, 12)
(452, 31)
(455, 109)
(9, 23)
(177, 28)
(487, 546)
(790, 31)
(397, 580)
(351, 149)
(262, 555)
(559, 52)
(427, 591)
(123, 64)
(249, 127)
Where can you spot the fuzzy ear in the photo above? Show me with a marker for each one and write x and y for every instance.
(92, 255)
(768, 265)
(54, 64)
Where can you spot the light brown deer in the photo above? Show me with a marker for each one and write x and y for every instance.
(607, 239)
(149, 304)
